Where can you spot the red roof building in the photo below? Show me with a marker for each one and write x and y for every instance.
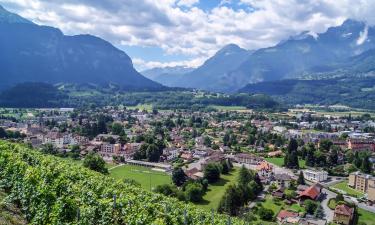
(287, 216)
(311, 192)
(343, 214)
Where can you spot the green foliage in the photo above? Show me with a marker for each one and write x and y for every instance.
(31, 95)
(310, 206)
(244, 176)
(291, 156)
(178, 176)
(49, 149)
(301, 179)
(265, 214)
(319, 212)
(212, 172)
(95, 162)
(117, 129)
(51, 191)
(339, 197)
(350, 91)
(194, 192)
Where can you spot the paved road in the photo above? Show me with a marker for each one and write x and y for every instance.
(327, 211)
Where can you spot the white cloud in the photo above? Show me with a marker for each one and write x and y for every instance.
(187, 3)
(189, 30)
(141, 64)
(362, 36)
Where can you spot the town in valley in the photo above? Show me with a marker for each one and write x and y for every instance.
(300, 166)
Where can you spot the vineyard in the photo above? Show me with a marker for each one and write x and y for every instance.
(52, 191)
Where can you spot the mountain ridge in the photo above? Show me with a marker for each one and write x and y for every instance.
(306, 53)
(47, 55)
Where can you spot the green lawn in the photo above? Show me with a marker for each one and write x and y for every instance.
(366, 217)
(275, 160)
(350, 191)
(147, 107)
(274, 205)
(279, 161)
(332, 203)
(228, 108)
(144, 176)
(297, 208)
(216, 190)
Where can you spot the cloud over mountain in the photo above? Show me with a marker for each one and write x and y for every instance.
(189, 29)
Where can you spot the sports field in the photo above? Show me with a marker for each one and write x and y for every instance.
(145, 176)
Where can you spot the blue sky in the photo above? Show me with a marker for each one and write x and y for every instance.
(159, 33)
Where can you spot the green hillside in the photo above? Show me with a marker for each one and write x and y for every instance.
(53, 191)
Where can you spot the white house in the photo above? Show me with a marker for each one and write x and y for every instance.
(315, 175)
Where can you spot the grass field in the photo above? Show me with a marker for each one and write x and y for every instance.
(270, 203)
(144, 176)
(147, 107)
(332, 203)
(215, 191)
(366, 217)
(229, 108)
(350, 191)
(279, 161)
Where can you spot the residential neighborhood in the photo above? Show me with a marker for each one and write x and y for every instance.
(313, 169)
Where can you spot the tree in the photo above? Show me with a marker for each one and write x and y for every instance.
(333, 156)
(231, 201)
(265, 214)
(75, 152)
(226, 139)
(290, 194)
(310, 206)
(95, 162)
(325, 145)
(319, 212)
(49, 149)
(193, 192)
(212, 172)
(225, 167)
(3, 134)
(153, 153)
(366, 165)
(310, 150)
(166, 189)
(291, 156)
(207, 141)
(244, 176)
(117, 129)
(339, 197)
(178, 176)
(301, 179)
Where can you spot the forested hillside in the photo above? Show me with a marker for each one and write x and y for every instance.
(356, 92)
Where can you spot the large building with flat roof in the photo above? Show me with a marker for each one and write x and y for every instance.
(364, 183)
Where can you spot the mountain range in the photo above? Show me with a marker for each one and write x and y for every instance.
(339, 49)
(166, 75)
(33, 53)
(342, 59)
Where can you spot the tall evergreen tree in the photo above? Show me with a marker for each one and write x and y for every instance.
(244, 176)
(319, 212)
(366, 165)
(301, 179)
(291, 156)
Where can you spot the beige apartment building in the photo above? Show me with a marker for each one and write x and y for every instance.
(364, 183)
